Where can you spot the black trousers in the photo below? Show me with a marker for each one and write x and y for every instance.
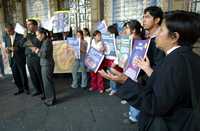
(19, 74)
(34, 68)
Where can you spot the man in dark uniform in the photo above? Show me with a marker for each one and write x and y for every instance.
(33, 61)
(17, 59)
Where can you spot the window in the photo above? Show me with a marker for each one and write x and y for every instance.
(80, 13)
(196, 6)
(130, 9)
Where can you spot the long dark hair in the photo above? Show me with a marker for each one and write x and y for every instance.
(81, 33)
(113, 29)
(186, 24)
(45, 32)
(95, 33)
(135, 25)
(87, 31)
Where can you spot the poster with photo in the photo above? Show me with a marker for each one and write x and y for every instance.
(93, 59)
(109, 43)
(60, 22)
(140, 49)
(75, 44)
(123, 46)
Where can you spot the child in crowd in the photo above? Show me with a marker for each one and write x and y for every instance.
(97, 81)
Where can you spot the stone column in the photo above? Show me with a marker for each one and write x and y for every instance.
(108, 11)
(53, 6)
(95, 13)
(1, 19)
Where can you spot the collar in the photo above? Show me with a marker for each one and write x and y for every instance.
(172, 49)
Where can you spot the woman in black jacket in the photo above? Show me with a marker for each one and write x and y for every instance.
(47, 65)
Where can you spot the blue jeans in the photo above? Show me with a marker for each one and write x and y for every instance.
(113, 85)
(133, 113)
(79, 65)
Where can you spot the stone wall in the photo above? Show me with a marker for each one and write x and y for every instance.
(108, 11)
(181, 4)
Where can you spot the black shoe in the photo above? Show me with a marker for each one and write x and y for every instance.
(27, 92)
(36, 93)
(43, 98)
(18, 93)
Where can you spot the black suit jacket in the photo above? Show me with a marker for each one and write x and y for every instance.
(19, 50)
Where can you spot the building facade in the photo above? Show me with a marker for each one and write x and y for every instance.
(86, 13)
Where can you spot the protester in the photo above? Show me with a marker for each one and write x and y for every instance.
(170, 99)
(87, 37)
(79, 64)
(47, 65)
(32, 59)
(97, 81)
(152, 20)
(136, 32)
(109, 61)
(17, 60)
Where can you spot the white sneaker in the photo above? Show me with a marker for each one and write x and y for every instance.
(112, 93)
(108, 90)
(123, 102)
(72, 86)
(132, 119)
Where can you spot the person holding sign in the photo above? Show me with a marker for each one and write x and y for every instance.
(79, 63)
(112, 29)
(170, 100)
(152, 20)
(136, 32)
(97, 81)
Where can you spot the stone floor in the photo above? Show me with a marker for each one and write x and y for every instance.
(76, 110)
